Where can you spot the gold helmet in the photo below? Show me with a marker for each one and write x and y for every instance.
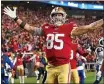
(58, 20)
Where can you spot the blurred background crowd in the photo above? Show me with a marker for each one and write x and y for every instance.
(13, 38)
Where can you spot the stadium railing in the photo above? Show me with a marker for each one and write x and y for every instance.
(90, 66)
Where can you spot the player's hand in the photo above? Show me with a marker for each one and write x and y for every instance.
(99, 74)
(9, 12)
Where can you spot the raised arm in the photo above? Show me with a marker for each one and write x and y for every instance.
(84, 29)
(15, 60)
(24, 54)
(33, 57)
(22, 24)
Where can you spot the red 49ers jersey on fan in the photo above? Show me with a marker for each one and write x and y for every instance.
(73, 60)
(19, 61)
(58, 41)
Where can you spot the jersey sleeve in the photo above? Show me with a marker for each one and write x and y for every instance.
(43, 27)
(73, 24)
(38, 31)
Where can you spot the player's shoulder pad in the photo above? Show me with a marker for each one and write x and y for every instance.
(45, 24)
(73, 24)
(99, 47)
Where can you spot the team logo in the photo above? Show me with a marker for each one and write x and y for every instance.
(46, 27)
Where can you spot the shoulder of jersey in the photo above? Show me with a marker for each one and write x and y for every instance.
(73, 23)
(45, 26)
(99, 47)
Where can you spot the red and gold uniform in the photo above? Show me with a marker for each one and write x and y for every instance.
(73, 63)
(58, 50)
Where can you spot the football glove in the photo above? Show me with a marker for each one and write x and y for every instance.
(9, 12)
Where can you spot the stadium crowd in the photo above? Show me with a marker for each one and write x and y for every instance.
(14, 39)
(27, 48)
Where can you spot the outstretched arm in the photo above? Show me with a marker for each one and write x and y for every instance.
(33, 57)
(84, 29)
(22, 24)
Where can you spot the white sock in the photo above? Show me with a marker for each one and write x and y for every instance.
(12, 80)
(37, 81)
(10, 75)
(20, 79)
(36, 72)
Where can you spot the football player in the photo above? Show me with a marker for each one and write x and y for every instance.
(80, 67)
(11, 74)
(4, 69)
(58, 37)
(73, 63)
(100, 57)
(74, 60)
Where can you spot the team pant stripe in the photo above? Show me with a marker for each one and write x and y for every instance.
(69, 74)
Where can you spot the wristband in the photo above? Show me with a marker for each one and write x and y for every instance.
(15, 19)
(22, 24)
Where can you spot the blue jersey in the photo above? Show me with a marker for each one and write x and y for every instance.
(5, 59)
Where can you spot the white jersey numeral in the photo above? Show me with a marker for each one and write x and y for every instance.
(54, 37)
(72, 55)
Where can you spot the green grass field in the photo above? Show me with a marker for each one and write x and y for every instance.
(90, 77)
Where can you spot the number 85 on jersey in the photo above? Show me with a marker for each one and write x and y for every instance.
(51, 38)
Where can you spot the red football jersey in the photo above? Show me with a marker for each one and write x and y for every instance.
(19, 61)
(58, 41)
(73, 60)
